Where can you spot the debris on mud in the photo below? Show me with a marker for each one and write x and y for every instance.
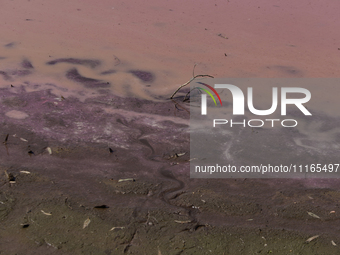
(101, 207)
(311, 238)
(48, 214)
(86, 223)
(10, 177)
(127, 180)
(313, 215)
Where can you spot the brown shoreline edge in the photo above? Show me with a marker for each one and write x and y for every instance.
(111, 176)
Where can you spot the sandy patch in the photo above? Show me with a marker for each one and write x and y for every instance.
(14, 114)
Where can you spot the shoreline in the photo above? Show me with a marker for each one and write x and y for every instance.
(136, 194)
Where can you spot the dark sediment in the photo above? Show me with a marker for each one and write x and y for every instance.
(108, 72)
(27, 64)
(143, 75)
(20, 73)
(5, 75)
(85, 62)
(74, 75)
(10, 45)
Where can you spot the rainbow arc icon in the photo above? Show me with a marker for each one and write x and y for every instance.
(209, 93)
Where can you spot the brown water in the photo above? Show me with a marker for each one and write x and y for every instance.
(166, 38)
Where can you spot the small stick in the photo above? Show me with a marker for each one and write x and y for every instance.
(5, 143)
(177, 104)
(186, 96)
(193, 78)
(6, 139)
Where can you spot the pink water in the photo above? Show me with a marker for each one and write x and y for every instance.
(226, 38)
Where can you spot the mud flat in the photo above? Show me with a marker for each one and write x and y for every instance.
(95, 160)
(110, 175)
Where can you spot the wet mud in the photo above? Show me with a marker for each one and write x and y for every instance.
(94, 157)
(111, 176)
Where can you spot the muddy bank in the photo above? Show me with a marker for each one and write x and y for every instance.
(110, 175)
(85, 171)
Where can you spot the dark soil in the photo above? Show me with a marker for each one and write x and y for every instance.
(115, 168)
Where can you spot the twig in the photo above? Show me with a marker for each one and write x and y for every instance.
(193, 70)
(5, 143)
(193, 78)
(177, 104)
(185, 98)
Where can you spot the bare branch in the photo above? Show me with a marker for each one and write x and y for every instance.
(177, 104)
(193, 70)
(193, 78)
(186, 96)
